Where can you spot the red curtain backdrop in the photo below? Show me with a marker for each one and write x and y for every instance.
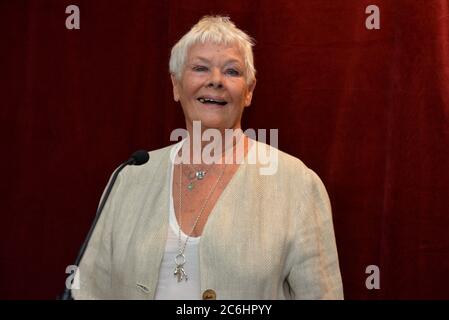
(368, 110)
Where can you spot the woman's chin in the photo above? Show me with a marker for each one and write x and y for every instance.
(214, 124)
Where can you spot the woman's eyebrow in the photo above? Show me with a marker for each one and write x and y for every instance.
(231, 61)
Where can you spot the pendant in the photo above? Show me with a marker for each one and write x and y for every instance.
(190, 186)
(179, 272)
(200, 175)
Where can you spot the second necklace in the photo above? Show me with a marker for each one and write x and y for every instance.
(180, 258)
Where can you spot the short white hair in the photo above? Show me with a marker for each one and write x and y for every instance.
(218, 30)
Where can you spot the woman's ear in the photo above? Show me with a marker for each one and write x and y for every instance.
(249, 94)
(175, 84)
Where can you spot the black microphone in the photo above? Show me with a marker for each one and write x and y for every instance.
(137, 158)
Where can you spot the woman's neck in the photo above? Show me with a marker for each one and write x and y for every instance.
(219, 146)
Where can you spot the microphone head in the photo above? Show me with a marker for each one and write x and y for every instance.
(139, 157)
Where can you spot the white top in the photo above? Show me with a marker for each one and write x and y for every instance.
(168, 287)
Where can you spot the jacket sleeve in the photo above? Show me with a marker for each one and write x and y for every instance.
(315, 273)
(94, 272)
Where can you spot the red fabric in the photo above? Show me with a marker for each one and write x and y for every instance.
(368, 110)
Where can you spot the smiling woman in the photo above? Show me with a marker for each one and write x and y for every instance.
(176, 229)
(212, 87)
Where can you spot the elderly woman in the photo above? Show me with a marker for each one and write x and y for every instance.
(176, 228)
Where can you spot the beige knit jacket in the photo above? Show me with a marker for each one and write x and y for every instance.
(268, 236)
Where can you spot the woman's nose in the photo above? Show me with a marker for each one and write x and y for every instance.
(215, 80)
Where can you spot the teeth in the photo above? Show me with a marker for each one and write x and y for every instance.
(207, 100)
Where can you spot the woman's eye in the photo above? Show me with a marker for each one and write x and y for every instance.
(232, 72)
(200, 68)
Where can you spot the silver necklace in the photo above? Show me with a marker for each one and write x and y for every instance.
(180, 258)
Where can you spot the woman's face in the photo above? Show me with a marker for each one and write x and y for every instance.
(213, 88)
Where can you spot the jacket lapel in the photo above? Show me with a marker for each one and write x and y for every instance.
(151, 232)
